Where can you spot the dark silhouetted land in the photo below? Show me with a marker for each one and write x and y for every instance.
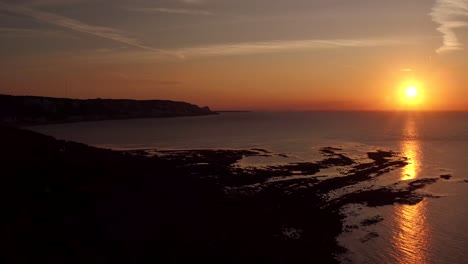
(68, 202)
(31, 110)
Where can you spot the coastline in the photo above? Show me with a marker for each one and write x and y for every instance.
(35, 110)
(147, 203)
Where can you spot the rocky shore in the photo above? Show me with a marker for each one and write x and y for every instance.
(64, 201)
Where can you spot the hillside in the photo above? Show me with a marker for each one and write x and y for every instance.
(30, 110)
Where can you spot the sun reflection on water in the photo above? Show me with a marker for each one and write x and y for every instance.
(410, 237)
(410, 149)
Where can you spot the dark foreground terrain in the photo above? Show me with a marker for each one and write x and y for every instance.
(32, 110)
(68, 202)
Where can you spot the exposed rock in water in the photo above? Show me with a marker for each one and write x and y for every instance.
(372, 220)
(369, 236)
(446, 176)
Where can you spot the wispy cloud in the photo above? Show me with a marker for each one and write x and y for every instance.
(450, 15)
(233, 49)
(73, 24)
(40, 3)
(278, 46)
(25, 32)
(32, 3)
(179, 11)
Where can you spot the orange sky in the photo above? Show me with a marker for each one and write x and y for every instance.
(289, 55)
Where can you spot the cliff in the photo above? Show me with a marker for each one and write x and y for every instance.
(30, 110)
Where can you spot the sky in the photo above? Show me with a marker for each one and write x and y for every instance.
(240, 54)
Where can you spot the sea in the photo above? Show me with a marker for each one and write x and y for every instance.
(432, 231)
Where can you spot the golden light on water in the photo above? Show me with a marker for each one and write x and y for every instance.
(410, 149)
(410, 236)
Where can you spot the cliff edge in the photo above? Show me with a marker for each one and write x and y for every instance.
(33, 110)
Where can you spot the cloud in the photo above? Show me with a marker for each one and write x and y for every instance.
(25, 32)
(35, 3)
(55, 2)
(450, 15)
(73, 24)
(278, 46)
(171, 11)
(233, 49)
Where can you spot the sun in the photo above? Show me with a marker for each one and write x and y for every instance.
(412, 94)
(411, 91)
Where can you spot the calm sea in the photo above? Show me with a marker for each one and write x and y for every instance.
(433, 231)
